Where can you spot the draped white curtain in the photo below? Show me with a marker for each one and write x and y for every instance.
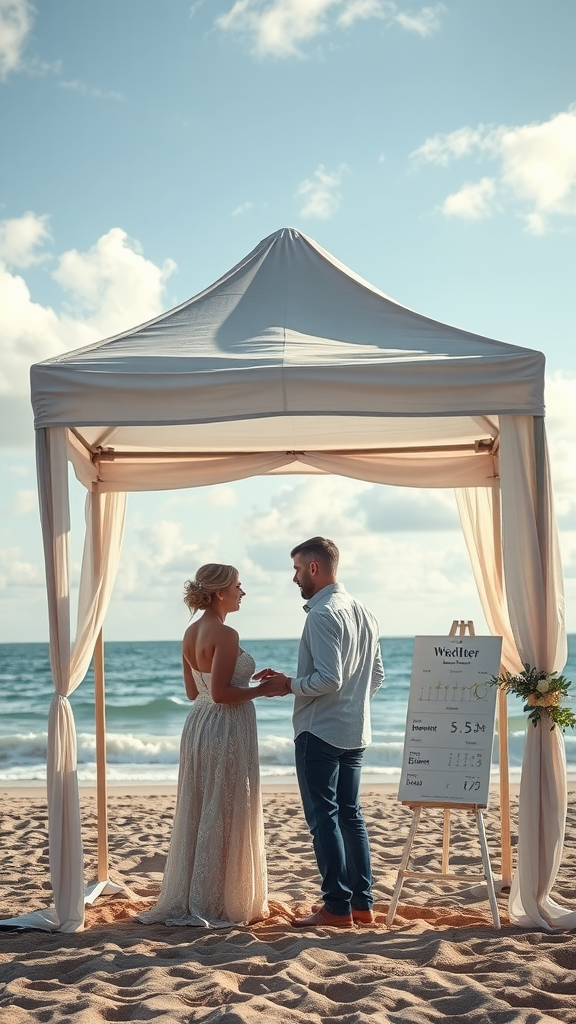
(519, 578)
(438, 468)
(104, 516)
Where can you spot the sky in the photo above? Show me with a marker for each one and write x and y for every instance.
(148, 146)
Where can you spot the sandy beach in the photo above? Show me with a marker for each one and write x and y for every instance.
(442, 958)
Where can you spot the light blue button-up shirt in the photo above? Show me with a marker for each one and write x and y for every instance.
(339, 669)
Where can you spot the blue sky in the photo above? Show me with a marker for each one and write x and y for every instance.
(148, 146)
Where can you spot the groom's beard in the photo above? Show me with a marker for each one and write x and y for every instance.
(306, 589)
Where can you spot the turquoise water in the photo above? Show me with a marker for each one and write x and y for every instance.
(146, 707)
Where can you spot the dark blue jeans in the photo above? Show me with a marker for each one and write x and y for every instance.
(329, 780)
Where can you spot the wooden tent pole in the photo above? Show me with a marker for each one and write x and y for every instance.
(100, 709)
(101, 787)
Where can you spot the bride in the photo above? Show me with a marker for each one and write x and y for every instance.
(215, 872)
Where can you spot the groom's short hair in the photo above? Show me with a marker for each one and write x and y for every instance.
(319, 549)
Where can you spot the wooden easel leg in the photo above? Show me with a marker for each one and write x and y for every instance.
(446, 841)
(403, 865)
(487, 869)
(459, 627)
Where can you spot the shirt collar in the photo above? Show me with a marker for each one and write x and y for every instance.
(322, 595)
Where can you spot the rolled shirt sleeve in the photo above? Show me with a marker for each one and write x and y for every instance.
(378, 674)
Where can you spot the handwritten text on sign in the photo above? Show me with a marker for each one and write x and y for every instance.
(450, 720)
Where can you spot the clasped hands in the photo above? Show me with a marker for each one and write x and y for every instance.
(275, 684)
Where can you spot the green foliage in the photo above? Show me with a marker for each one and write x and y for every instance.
(543, 693)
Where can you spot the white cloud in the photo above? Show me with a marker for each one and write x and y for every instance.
(320, 192)
(313, 505)
(279, 28)
(221, 496)
(424, 22)
(400, 576)
(24, 502)
(536, 224)
(539, 166)
(407, 509)
(112, 286)
(87, 90)
(160, 560)
(15, 572)
(560, 398)
(361, 10)
(471, 202)
(536, 175)
(16, 19)
(31, 332)
(243, 208)
(21, 238)
(441, 149)
(109, 288)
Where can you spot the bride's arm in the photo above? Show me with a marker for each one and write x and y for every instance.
(189, 681)
(222, 671)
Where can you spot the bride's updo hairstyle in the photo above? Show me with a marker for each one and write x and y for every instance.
(208, 580)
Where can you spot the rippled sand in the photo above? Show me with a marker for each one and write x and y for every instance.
(442, 959)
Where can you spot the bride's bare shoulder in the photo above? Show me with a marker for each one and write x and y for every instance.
(208, 634)
(190, 634)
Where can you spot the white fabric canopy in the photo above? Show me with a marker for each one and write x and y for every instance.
(289, 332)
(291, 362)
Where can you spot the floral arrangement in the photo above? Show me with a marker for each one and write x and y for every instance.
(541, 691)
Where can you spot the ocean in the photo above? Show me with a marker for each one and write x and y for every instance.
(146, 707)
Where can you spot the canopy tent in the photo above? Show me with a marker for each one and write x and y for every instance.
(292, 363)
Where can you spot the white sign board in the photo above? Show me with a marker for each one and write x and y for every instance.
(450, 720)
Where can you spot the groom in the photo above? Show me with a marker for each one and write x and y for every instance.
(339, 670)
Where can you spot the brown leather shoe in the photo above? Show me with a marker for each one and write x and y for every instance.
(362, 916)
(323, 918)
(358, 916)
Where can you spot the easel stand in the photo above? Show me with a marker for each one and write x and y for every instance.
(458, 628)
(445, 875)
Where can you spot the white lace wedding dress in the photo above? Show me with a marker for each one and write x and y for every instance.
(215, 873)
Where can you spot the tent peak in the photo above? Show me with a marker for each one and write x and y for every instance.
(289, 331)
